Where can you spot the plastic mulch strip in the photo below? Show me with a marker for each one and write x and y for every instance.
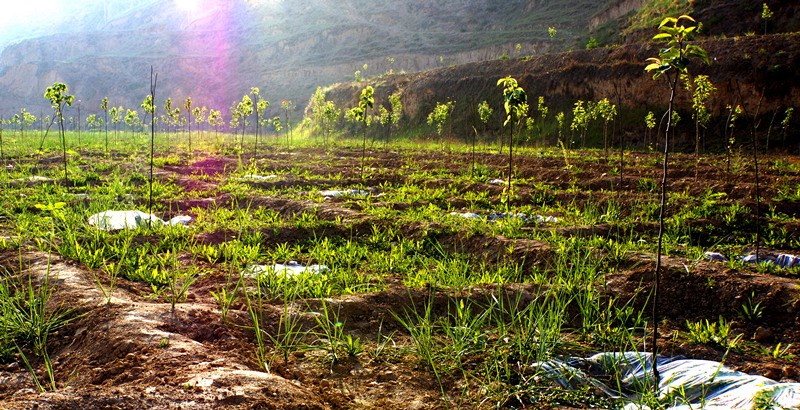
(117, 220)
(684, 383)
(291, 268)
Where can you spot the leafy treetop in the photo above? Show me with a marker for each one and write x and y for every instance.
(57, 94)
(367, 99)
(676, 53)
(514, 97)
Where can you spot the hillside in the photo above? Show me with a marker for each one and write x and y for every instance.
(216, 51)
(630, 21)
(751, 64)
(742, 68)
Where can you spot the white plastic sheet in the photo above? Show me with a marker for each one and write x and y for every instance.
(782, 259)
(291, 268)
(787, 261)
(497, 216)
(693, 384)
(35, 178)
(522, 216)
(715, 256)
(256, 177)
(546, 219)
(117, 220)
(468, 215)
(347, 192)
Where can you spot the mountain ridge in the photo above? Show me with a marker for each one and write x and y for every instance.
(286, 48)
(214, 55)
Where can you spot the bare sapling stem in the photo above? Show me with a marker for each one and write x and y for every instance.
(153, 82)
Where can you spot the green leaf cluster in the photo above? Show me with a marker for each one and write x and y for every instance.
(485, 111)
(148, 106)
(605, 110)
(702, 89)
(367, 98)
(57, 94)
(439, 115)
(766, 13)
(676, 54)
(650, 120)
(397, 108)
(515, 99)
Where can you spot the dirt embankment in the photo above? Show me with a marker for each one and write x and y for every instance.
(741, 68)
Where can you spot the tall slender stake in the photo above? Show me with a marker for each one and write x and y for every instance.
(365, 102)
(79, 123)
(474, 140)
(258, 120)
(153, 82)
(64, 146)
(756, 123)
(188, 106)
(364, 146)
(510, 165)
(104, 107)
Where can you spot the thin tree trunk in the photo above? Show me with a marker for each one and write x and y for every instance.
(153, 82)
(510, 165)
(696, 145)
(769, 130)
(697, 136)
(189, 125)
(500, 138)
(63, 145)
(364, 146)
(106, 123)
(728, 143)
(661, 213)
(755, 123)
(289, 127)
(621, 164)
(79, 124)
(474, 141)
(258, 121)
(241, 143)
(41, 143)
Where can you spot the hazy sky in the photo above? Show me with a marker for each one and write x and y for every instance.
(31, 11)
(20, 19)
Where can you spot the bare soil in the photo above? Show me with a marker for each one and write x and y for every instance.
(136, 353)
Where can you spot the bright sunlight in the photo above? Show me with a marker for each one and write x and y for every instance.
(19, 14)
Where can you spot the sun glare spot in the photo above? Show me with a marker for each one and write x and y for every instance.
(32, 12)
(186, 5)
